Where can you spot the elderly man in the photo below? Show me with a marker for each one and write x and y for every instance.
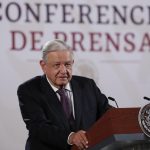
(57, 107)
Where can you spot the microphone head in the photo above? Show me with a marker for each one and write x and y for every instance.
(146, 98)
(111, 98)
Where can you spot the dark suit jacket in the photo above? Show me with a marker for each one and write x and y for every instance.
(43, 114)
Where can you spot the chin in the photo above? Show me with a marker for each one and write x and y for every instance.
(63, 82)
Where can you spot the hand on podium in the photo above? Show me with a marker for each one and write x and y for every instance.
(79, 139)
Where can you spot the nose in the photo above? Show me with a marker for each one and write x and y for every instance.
(63, 68)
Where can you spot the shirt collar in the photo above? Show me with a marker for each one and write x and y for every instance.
(67, 87)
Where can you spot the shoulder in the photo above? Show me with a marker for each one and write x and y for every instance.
(31, 83)
(82, 80)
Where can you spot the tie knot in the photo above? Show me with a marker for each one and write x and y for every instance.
(61, 91)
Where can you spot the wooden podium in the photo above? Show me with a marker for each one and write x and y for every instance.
(117, 129)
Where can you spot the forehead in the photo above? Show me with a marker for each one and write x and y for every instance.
(59, 56)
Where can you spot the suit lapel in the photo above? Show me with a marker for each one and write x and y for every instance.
(53, 101)
(77, 95)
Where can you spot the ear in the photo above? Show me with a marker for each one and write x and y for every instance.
(43, 65)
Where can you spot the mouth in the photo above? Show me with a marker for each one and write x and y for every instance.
(63, 77)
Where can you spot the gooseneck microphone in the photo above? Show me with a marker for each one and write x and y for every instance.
(146, 98)
(112, 99)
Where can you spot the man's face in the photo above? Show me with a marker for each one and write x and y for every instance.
(58, 67)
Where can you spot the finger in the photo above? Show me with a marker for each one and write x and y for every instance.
(84, 138)
(79, 142)
(81, 146)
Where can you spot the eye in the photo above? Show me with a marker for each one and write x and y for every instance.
(68, 65)
(56, 66)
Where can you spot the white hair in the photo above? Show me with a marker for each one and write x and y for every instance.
(55, 45)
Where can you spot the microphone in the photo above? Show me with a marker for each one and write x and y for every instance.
(112, 99)
(146, 98)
